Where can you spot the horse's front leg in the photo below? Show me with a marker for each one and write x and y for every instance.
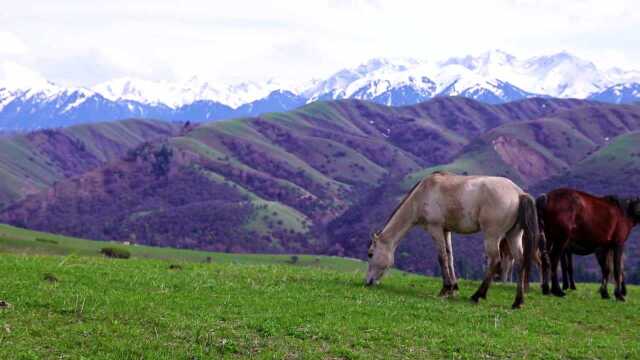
(602, 255)
(440, 241)
(452, 270)
(543, 252)
(617, 272)
(564, 264)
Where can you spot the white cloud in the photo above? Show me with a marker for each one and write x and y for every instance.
(10, 44)
(14, 75)
(290, 39)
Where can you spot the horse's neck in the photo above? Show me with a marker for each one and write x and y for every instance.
(401, 221)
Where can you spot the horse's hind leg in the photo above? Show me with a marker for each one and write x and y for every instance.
(602, 255)
(617, 271)
(491, 246)
(515, 238)
(572, 283)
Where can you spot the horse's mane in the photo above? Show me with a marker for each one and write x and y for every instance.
(406, 197)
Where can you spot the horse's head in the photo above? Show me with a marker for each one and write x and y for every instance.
(380, 258)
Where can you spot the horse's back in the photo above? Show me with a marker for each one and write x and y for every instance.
(586, 219)
(468, 203)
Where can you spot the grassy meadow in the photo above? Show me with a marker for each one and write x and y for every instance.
(67, 302)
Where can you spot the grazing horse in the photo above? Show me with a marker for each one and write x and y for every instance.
(576, 222)
(443, 203)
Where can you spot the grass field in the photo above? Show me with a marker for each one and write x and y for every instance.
(75, 306)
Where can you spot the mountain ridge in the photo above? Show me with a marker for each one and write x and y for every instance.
(492, 77)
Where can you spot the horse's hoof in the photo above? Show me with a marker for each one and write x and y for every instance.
(572, 287)
(619, 296)
(517, 305)
(455, 287)
(605, 295)
(565, 286)
(557, 292)
(475, 299)
(545, 289)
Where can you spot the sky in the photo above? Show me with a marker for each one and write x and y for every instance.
(85, 42)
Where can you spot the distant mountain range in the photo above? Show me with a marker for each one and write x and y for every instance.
(493, 77)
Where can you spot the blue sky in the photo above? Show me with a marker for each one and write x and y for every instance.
(75, 42)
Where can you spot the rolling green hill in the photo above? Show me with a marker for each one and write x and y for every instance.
(530, 152)
(33, 243)
(32, 162)
(612, 169)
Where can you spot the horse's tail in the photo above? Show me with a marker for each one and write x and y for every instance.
(541, 205)
(528, 220)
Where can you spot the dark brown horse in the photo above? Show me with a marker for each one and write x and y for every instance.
(583, 224)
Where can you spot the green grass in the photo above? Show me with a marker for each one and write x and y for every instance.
(139, 308)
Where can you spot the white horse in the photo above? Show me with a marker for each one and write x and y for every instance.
(443, 203)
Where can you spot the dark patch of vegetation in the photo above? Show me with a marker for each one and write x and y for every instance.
(50, 277)
(175, 267)
(115, 252)
(47, 241)
(293, 259)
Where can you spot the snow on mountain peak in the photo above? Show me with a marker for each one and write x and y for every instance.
(176, 94)
(494, 75)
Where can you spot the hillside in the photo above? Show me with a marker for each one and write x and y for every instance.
(34, 161)
(73, 307)
(534, 150)
(33, 243)
(267, 180)
(321, 178)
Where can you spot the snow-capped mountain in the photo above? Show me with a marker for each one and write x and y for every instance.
(176, 94)
(619, 94)
(28, 101)
(493, 76)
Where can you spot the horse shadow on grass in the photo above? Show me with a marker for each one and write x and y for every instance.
(428, 292)
(410, 290)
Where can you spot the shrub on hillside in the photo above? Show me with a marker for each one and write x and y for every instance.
(114, 252)
(47, 241)
(50, 277)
